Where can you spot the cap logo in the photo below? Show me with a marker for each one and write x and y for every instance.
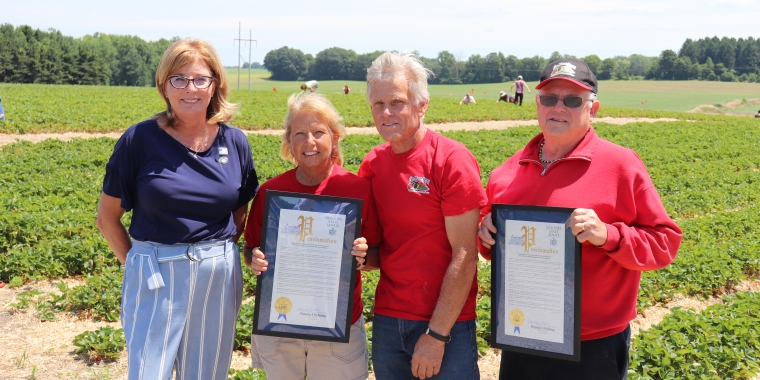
(564, 68)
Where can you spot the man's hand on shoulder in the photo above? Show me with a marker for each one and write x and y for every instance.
(427, 357)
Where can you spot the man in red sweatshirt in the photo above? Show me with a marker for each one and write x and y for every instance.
(618, 217)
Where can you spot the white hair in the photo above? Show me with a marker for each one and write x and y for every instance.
(391, 65)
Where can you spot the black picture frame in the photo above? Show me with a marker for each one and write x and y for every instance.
(276, 201)
(569, 348)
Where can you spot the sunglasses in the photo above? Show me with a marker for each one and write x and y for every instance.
(571, 101)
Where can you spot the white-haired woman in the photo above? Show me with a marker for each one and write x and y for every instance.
(188, 177)
(312, 142)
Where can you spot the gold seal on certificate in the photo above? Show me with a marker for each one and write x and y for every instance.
(283, 305)
(517, 317)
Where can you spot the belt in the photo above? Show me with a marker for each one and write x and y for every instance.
(164, 253)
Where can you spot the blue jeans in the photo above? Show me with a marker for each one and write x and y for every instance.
(393, 343)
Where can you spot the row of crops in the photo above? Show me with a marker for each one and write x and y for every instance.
(706, 172)
(56, 108)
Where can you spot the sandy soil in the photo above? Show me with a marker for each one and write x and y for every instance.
(45, 348)
(655, 314)
(458, 126)
(726, 108)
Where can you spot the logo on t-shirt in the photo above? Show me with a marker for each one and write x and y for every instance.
(418, 184)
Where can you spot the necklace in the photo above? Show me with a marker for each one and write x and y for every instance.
(192, 152)
(541, 155)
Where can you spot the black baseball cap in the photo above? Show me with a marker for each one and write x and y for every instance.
(571, 70)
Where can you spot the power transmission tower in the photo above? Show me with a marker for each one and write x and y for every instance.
(240, 43)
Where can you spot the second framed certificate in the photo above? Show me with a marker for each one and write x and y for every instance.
(307, 291)
(535, 282)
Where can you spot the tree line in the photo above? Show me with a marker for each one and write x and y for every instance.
(337, 63)
(34, 56)
(726, 59)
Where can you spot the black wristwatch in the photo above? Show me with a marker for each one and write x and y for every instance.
(437, 336)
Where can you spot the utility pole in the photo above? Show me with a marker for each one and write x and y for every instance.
(240, 41)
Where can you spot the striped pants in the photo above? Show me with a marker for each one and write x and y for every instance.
(179, 307)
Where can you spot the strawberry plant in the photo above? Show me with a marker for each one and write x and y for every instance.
(105, 343)
(720, 342)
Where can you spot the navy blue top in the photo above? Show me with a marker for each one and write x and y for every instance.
(176, 197)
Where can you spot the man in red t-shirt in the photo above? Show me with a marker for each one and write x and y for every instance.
(428, 194)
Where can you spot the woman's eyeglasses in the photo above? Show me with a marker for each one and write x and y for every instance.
(571, 101)
(180, 82)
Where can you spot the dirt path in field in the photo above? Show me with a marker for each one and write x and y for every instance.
(725, 108)
(655, 314)
(457, 126)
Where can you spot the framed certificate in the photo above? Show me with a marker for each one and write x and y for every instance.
(535, 282)
(308, 290)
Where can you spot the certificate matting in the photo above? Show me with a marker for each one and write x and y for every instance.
(307, 291)
(535, 282)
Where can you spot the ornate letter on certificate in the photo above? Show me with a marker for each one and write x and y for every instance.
(308, 290)
(536, 282)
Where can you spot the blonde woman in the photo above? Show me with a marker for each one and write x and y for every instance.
(312, 141)
(187, 177)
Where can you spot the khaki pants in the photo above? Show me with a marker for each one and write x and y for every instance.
(287, 358)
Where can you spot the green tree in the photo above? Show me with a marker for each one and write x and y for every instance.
(663, 67)
(639, 64)
(555, 56)
(361, 64)
(690, 49)
(594, 62)
(511, 67)
(286, 63)
(607, 69)
(332, 64)
(531, 67)
(448, 72)
(748, 59)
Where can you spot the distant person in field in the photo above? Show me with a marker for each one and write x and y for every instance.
(520, 86)
(506, 97)
(468, 99)
(346, 90)
(618, 218)
(428, 195)
(2, 112)
(311, 85)
(757, 115)
(187, 177)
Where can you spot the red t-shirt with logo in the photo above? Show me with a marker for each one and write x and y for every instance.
(413, 192)
(340, 183)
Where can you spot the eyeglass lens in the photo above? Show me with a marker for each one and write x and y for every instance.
(571, 101)
(182, 82)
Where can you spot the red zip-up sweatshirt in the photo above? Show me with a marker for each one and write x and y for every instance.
(614, 182)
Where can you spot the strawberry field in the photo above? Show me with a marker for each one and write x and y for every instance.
(34, 108)
(706, 171)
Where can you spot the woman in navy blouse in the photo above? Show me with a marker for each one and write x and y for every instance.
(187, 177)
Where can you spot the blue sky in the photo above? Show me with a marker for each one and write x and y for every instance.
(463, 27)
